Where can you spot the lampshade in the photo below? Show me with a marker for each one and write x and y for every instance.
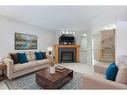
(50, 49)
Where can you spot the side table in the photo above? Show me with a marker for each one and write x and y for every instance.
(2, 68)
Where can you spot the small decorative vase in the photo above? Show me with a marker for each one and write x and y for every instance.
(52, 69)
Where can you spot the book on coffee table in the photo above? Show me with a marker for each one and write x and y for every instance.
(58, 70)
(59, 67)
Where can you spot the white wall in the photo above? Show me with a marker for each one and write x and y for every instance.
(89, 46)
(83, 44)
(8, 27)
(121, 39)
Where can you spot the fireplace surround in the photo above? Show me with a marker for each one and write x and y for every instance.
(67, 48)
(67, 51)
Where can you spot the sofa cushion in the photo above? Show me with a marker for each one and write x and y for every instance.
(40, 62)
(97, 75)
(111, 72)
(14, 57)
(22, 58)
(100, 68)
(39, 55)
(20, 67)
(122, 73)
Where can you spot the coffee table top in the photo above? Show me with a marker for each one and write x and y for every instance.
(53, 77)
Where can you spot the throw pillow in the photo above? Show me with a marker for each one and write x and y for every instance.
(33, 57)
(38, 56)
(111, 72)
(28, 55)
(122, 73)
(14, 57)
(22, 58)
(44, 55)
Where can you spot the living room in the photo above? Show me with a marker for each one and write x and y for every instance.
(72, 46)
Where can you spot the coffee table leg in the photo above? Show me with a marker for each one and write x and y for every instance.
(2, 72)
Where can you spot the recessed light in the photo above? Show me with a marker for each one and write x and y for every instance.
(67, 32)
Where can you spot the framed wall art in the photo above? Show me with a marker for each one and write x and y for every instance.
(25, 41)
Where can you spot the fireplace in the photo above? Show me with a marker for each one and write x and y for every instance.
(67, 55)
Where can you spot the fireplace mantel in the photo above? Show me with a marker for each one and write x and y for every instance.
(66, 46)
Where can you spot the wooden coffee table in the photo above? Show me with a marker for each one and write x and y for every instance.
(56, 81)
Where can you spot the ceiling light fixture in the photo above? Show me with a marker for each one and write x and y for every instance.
(110, 27)
(67, 31)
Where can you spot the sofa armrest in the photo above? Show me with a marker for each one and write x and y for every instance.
(92, 82)
(10, 65)
(100, 68)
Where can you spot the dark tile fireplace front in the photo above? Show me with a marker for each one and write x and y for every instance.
(67, 55)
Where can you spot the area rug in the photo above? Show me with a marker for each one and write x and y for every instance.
(28, 82)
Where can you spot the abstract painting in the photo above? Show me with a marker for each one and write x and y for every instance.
(25, 41)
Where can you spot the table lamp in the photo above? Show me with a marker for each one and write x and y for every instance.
(50, 49)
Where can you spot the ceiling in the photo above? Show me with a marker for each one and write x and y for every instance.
(57, 18)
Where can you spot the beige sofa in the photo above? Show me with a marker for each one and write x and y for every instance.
(16, 70)
(97, 80)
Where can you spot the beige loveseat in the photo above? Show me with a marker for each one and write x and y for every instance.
(16, 70)
(97, 80)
